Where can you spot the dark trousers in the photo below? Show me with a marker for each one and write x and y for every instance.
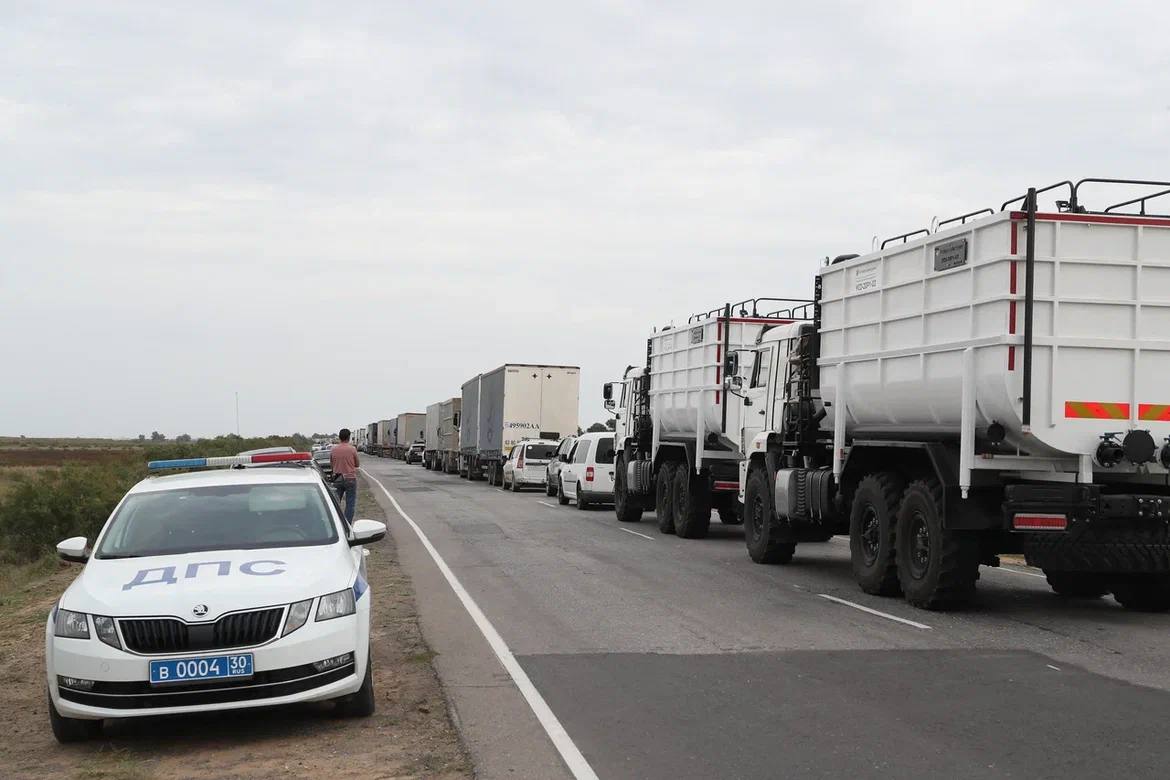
(347, 489)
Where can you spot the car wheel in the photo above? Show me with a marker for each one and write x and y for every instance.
(360, 704)
(550, 488)
(515, 484)
(582, 502)
(72, 729)
(562, 499)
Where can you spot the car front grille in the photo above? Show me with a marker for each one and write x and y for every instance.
(171, 635)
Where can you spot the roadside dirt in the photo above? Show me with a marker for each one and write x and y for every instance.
(411, 735)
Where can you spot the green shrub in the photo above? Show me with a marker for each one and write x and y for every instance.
(76, 500)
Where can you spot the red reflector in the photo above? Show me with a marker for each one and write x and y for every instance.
(1040, 522)
(589, 474)
(280, 457)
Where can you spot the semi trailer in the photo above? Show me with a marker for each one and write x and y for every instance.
(386, 431)
(442, 436)
(408, 429)
(514, 402)
(996, 384)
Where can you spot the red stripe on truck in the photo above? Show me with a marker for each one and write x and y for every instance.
(1102, 219)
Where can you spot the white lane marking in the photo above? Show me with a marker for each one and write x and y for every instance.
(545, 503)
(635, 533)
(864, 608)
(556, 732)
(1050, 666)
(1017, 571)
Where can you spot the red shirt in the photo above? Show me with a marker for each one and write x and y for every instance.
(344, 460)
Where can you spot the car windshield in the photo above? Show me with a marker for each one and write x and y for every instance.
(539, 451)
(604, 451)
(227, 517)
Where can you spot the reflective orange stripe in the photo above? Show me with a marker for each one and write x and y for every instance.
(1159, 412)
(1096, 410)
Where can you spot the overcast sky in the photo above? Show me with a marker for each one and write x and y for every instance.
(344, 210)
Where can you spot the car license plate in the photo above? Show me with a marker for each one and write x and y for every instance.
(177, 670)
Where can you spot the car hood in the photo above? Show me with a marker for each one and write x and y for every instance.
(223, 581)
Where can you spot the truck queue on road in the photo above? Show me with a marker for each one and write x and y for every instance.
(994, 385)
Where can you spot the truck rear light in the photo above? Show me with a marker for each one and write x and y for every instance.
(588, 473)
(1039, 522)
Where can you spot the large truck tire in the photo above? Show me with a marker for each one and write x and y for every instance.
(692, 504)
(627, 511)
(1077, 584)
(873, 521)
(663, 500)
(937, 567)
(1150, 594)
(762, 530)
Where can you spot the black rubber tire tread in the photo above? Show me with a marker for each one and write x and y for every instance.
(1077, 584)
(730, 516)
(550, 489)
(562, 499)
(768, 545)
(515, 484)
(954, 568)
(627, 511)
(66, 730)
(692, 504)
(882, 491)
(663, 498)
(582, 502)
(362, 703)
(1145, 595)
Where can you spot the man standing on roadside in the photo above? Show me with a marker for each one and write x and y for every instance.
(344, 460)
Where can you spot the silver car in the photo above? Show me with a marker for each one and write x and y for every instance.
(556, 462)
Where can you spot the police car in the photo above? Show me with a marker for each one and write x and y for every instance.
(214, 590)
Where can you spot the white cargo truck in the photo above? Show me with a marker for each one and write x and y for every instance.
(469, 426)
(514, 402)
(677, 431)
(386, 431)
(408, 430)
(442, 436)
(371, 437)
(998, 384)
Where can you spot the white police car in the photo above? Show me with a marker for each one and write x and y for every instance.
(213, 590)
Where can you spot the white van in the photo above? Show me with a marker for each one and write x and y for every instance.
(588, 474)
(526, 464)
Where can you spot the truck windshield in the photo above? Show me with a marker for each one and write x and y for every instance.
(604, 451)
(539, 451)
(224, 517)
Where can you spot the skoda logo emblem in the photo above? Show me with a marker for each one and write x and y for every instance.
(199, 610)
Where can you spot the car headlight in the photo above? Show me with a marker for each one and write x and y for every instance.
(74, 625)
(336, 605)
(297, 615)
(106, 631)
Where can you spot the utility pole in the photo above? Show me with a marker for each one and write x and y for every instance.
(237, 413)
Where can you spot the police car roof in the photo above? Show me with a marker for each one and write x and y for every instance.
(228, 476)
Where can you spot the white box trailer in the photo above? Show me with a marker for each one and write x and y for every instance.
(386, 433)
(431, 435)
(677, 437)
(408, 429)
(371, 437)
(995, 385)
(521, 401)
(469, 425)
(448, 456)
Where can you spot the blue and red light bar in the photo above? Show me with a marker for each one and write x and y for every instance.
(228, 460)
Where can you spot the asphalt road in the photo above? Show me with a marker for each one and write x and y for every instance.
(669, 658)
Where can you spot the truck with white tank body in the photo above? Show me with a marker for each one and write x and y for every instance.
(998, 384)
(514, 402)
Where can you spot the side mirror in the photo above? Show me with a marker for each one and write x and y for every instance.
(367, 532)
(74, 549)
(733, 381)
(610, 404)
(607, 394)
(731, 364)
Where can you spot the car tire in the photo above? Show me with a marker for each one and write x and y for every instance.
(873, 522)
(582, 502)
(361, 704)
(515, 484)
(663, 502)
(562, 499)
(762, 530)
(67, 730)
(550, 488)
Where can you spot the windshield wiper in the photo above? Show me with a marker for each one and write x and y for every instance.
(117, 556)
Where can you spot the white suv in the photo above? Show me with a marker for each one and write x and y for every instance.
(213, 590)
(527, 463)
(588, 474)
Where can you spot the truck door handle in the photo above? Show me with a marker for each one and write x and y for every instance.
(760, 412)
